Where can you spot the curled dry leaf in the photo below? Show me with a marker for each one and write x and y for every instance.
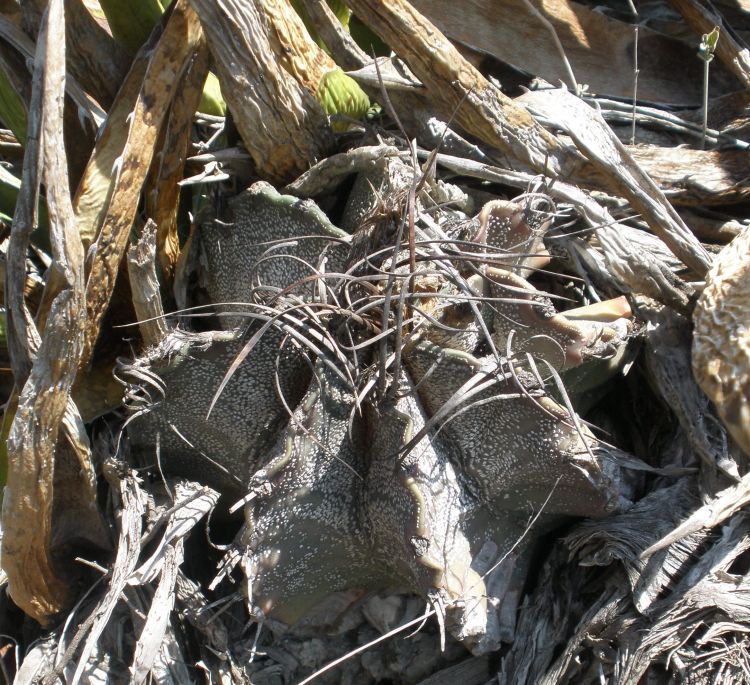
(44, 406)
(162, 194)
(721, 341)
(163, 77)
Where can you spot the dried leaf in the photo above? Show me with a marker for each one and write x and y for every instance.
(297, 52)
(150, 640)
(145, 286)
(480, 108)
(95, 60)
(696, 177)
(283, 127)
(325, 176)
(719, 509)
(668, 337)
(192, 502)
(82, 114)
(91, 199)
(163, 77)
(128, 549)
(162, 199)
(44, 403)
(619, 171)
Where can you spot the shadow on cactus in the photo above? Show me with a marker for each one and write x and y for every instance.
(387, 400)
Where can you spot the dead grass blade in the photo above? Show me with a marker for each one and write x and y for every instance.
(150, 641)
(163, 77)
(281, 123)
(44, 404)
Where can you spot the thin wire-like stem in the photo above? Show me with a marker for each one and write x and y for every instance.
(569, 69)
(705, 103)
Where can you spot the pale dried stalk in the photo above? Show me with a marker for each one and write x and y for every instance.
(162, 201)
(44, 401)
(281, 123)
(145, 285)
(346, 52)
(296, 51)
(128, 549)
(480, 108)
(86, 44)
(157, 621)
(166, 68)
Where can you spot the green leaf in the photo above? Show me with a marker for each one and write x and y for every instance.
(212, 101)
(340, 94)
(131, 24)
(12, 109)
(708, 45)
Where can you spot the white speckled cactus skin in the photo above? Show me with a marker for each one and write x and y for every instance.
(419, 484)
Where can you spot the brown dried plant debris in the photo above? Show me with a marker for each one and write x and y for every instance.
(428, 380)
